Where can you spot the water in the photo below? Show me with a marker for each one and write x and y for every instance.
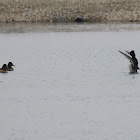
(70, 82)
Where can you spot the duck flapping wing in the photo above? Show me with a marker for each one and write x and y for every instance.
(127, 56)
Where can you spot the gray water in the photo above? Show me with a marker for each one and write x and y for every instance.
(69, 83)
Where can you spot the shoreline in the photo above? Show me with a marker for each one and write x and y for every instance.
(64, 11)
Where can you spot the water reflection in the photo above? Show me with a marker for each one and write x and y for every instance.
(67, 27)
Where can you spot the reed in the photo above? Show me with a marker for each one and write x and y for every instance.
(69, 10)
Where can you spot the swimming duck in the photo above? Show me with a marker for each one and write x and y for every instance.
(133, 67)
(4, 69)
(10, 64)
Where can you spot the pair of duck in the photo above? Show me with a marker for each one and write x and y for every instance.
(133, 67)
(5, 68)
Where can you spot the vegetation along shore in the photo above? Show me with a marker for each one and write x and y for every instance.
(69, 10)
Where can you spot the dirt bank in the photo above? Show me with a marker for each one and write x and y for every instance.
(68, 11)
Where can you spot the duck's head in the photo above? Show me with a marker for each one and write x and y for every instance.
(132, 53)
(4, 67)
(10, 64)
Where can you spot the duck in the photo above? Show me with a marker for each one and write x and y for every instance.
(4, 69)
(10, 68)
(133, 66)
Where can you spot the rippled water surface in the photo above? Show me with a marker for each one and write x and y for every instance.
(69, 83)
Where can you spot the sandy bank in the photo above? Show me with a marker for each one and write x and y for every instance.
(68, 10)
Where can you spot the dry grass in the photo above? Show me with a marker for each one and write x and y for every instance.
(69, 10)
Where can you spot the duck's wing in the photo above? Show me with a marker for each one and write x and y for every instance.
(128, 52)
(127, 56)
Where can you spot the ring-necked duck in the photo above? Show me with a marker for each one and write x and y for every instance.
(10, 64)
(133, 67)
(4, 69)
